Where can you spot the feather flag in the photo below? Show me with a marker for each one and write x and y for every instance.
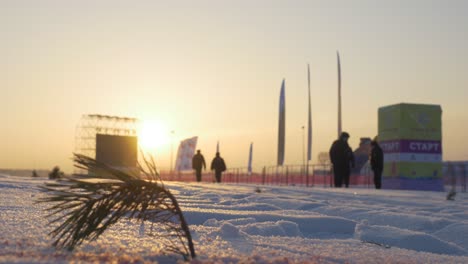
(185, 153)
(339, 93)
(281, 126)
(249, 166)
(309, 127)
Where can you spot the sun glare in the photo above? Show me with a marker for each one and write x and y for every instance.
(152, 135)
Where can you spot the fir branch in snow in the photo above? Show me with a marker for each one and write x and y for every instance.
(85, 208)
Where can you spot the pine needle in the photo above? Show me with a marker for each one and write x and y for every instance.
(88, 207)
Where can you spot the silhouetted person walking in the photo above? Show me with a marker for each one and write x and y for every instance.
(198, 162)
(218, 166)
(342, 158)
(376, 161)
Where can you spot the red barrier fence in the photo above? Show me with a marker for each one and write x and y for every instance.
(290, 175)
(297, 175)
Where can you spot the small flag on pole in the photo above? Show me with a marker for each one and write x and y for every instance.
(249, 166)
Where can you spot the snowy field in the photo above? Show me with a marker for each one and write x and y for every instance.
(234, 223)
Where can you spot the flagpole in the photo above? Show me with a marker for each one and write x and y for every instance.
(172, 150)
(303, 148)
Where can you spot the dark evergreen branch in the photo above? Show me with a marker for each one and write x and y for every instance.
(85, 208)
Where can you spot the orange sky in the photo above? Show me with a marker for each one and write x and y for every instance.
(214, 70)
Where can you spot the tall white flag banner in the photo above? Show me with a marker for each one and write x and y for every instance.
(185, 154)
(249, 166)
(339, 93)
(281, 126)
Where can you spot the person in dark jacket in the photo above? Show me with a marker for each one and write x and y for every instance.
(342, 158)
(218, 166)
(198, 162)
(377, 163)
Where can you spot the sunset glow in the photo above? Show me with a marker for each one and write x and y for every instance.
(212, 75)
(152, 135)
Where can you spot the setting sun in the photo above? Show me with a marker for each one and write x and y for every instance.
(151, 135)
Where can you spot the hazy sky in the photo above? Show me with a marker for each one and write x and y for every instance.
(213, 69)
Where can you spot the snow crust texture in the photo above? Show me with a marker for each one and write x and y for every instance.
(238, 224)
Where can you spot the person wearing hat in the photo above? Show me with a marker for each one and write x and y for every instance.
(198, 162)
(376, 161)
(218, 165)
(342, 158)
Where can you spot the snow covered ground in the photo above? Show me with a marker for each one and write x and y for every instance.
(234, 223)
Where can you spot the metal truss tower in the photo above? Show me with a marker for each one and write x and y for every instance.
(90, 125)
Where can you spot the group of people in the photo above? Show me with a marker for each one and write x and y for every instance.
(217, 164)
(342, 158)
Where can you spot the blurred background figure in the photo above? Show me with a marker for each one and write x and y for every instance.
(342, 158)
(198, 163)
(376, 161)
(218, 166)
